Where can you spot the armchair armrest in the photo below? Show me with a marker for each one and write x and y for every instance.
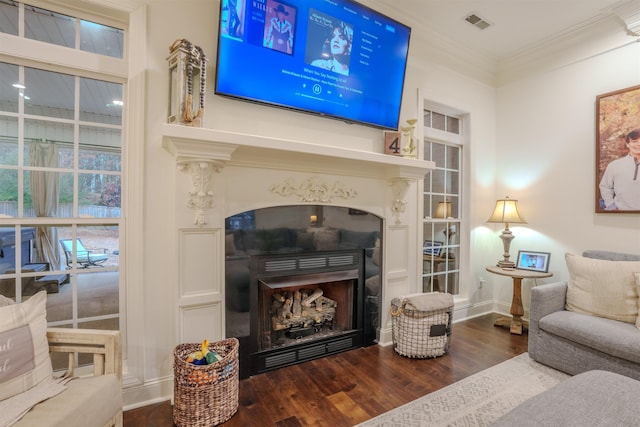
(105, 346)
(547, 299)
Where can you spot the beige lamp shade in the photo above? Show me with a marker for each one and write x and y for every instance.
(443, 210)
(506, 211)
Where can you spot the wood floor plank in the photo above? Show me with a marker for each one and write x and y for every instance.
(348, 388)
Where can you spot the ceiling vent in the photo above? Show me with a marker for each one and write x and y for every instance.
(477, 22)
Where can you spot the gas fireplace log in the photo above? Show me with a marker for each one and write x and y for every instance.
(297, 304)
(285, 310)
(315, 295)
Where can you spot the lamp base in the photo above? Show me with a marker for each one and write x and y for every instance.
(506, 264)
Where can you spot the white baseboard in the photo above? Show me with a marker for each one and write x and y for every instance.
(147, 394)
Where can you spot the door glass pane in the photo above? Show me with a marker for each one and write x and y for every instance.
(50, 27)
(100, 101)
(101, 39)
(10, 88)
(51, 94)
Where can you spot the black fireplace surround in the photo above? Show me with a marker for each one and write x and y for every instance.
(307, 247)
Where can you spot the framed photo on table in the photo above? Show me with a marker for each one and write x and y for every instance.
(533, 261)
(618, 151)
(431, 247)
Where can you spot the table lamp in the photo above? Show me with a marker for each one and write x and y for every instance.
(506, 212)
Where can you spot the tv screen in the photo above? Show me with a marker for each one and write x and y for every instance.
(336, 58)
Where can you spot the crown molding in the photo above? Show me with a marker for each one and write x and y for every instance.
(582, 43)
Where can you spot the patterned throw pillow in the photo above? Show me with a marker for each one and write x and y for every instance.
(24, 349)
(602, 288)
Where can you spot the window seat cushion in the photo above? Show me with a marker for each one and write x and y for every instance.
(86, 402)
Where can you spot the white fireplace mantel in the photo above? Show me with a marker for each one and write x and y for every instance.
(232, 148)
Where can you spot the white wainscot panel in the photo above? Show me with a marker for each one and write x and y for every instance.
(397, 243)
(201, 322)
(199, 261)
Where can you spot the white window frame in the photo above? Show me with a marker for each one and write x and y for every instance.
(460, 140)
(131, 16)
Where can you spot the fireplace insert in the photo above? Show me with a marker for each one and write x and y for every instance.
(304, 306)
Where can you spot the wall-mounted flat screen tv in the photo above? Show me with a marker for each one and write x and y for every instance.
(335, 58)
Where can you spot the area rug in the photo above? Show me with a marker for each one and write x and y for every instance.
(478, 400)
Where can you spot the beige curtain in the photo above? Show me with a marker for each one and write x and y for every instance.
(45, 186)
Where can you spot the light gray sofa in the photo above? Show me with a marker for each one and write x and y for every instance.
(574, 342)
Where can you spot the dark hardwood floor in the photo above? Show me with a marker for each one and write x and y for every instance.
(351, 387)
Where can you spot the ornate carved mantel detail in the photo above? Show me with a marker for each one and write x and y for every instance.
(200, 195)
(314, 190)
(399, 189)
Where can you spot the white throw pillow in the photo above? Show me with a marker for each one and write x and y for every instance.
(24, 349)
(602, 288)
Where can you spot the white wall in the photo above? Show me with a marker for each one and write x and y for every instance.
(546, 160)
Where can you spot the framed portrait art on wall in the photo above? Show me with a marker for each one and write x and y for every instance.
(618, 151)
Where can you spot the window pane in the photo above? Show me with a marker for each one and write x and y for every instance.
(100, 148)
(51, 94)
(49, 27)
(427, 118)
(438, 121)
(453, 157)
(100, 102)
(46, 135)
(8, 92)
(9, 17)
(100, 291)
(427, 150)
(437, 177)
(438, 155)
(9, 192)
(8, 141)
(99, 195)
(94, 246)
(101, 39)
(453, 125)
(455, 206)
(40, 194)
(452, 182)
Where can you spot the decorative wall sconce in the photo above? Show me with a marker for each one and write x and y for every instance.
(506, 211)
(187, 69)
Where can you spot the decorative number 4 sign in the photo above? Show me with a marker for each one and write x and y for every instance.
(392, 143)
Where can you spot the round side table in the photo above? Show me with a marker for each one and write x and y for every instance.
(515, 322)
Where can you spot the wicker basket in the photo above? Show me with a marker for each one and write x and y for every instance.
(422, 333)
(205, 395)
